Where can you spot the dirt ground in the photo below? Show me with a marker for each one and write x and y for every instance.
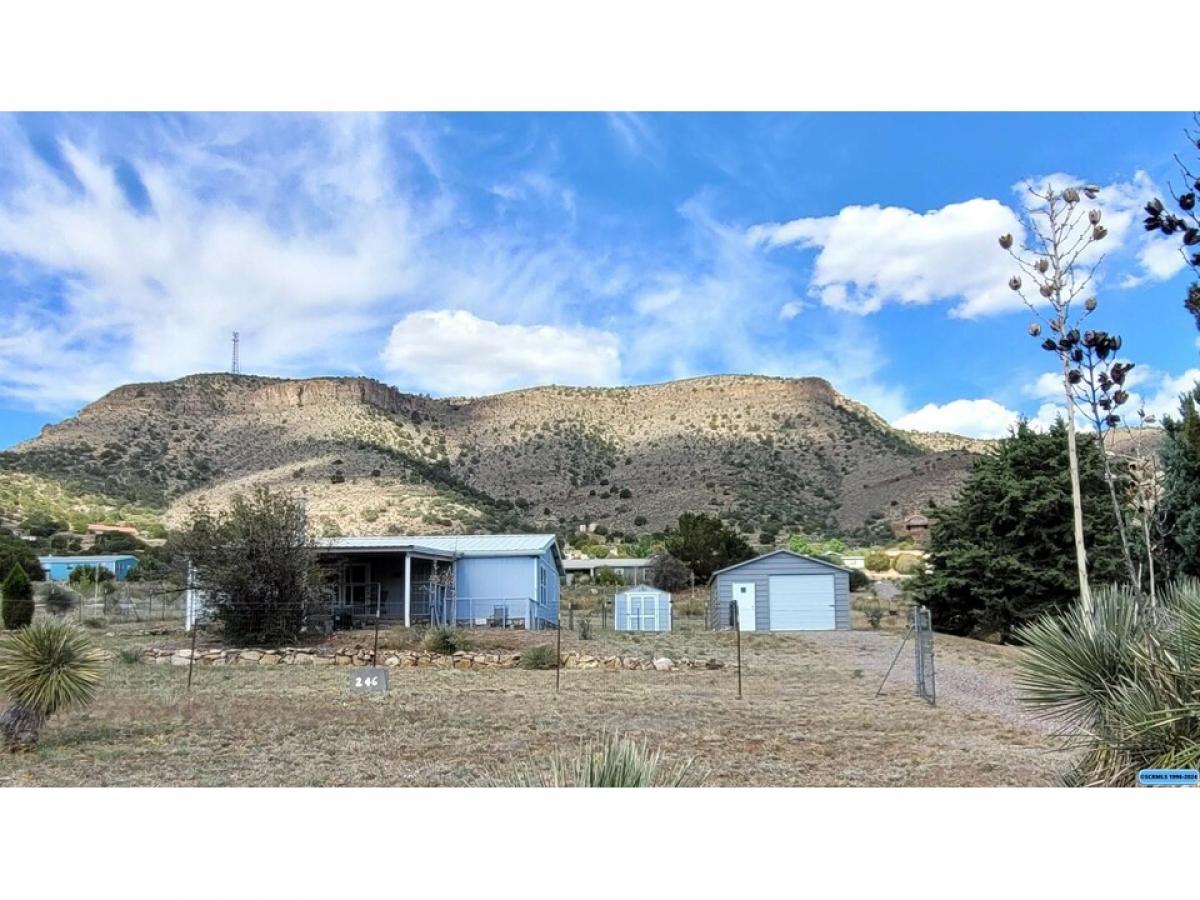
(809, 717)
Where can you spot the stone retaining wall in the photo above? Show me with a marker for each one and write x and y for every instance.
(360, 656)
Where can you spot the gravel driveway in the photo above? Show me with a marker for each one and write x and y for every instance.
(970, 675)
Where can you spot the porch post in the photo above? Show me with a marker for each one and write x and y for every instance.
(407, 590)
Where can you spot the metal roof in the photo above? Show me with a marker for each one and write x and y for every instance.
(745, 562)
(452, 545)
(643, 589)
(605, 562)
(102, 558)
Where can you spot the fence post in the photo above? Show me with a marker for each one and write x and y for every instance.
(192, 657)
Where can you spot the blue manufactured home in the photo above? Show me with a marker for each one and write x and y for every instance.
(499, 580)
(59, 568)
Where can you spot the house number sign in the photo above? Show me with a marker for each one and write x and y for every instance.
(371, 680)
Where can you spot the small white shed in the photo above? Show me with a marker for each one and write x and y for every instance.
(642, 608)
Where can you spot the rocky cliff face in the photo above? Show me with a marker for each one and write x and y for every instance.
(768, 454)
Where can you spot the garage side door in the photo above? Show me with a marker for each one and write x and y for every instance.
(802, 603)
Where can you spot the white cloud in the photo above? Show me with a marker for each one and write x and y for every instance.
(456, 352)
(870, 256)
(981, 418)
(790, 310)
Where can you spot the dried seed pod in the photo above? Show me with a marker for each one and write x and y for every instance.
(1006, 241)
(1015, 282)
(1094, 217)
(1043, 264)
(1071, 196)
(1099, 232)
(1046, 291)
(1090, 304)
(1034, 329)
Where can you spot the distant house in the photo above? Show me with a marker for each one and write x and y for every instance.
(781, 591)
(101, 528)
(630, 570)
(501, 580)
(914, 527)
(59, 568)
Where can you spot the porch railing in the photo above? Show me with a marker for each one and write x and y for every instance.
(489, 612)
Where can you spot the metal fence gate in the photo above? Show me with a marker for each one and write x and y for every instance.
(922, 628)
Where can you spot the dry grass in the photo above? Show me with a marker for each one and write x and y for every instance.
(809, 718)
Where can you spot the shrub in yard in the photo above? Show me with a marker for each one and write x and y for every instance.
(541, 656)
(609, 578)
(877, 562)
(60, 600)
(445, 640)
(16, 609)
(257, 564)
(1122, 680)
(613, 761)
(44, 668)
(859, 580)
(585, 629)
(909, 564)
(129, 655)
(94, 622)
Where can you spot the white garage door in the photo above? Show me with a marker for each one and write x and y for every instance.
(802, 603)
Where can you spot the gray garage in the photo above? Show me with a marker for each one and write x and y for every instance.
(782, 591)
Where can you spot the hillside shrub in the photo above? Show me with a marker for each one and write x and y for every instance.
(540, 656)
(16, 608)
(877, 562)
(585, 629)
(909, 564)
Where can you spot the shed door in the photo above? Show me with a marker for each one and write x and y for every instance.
(743, 596)
(802, 602)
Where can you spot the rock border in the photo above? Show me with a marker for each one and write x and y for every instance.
(407, 659)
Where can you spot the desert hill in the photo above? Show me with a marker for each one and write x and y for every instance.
(767, 454)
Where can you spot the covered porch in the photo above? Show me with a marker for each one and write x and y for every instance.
(412, 587)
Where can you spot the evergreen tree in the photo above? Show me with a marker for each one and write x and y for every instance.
(705, 544)
(1004, 554)
(1181, 488)
(16, 607)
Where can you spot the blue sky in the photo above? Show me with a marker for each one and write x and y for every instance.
(461, 254)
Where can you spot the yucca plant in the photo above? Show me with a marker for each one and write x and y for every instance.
(45, 667)
(1122, 681)
(613, 761)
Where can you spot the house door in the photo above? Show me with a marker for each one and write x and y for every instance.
(743, 596)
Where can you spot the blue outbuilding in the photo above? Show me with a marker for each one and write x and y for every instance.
(59, 568)
(642, 608)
